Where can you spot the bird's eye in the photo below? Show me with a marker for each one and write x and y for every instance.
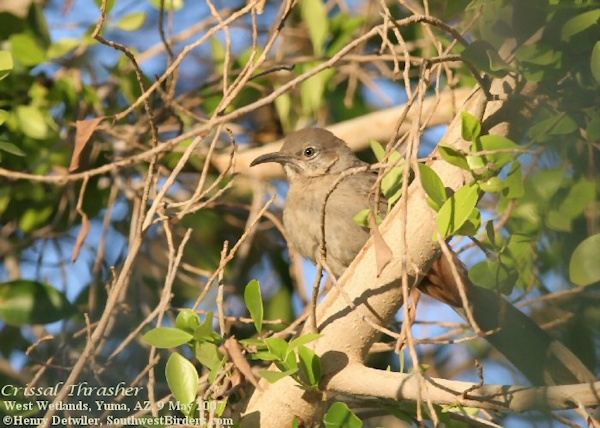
(309, 151)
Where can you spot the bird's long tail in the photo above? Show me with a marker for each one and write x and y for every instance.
(542, 359)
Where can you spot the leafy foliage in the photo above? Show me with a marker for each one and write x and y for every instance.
(531, 208)
(253, 299)
(24, 302)
(339, 415)
(292, 359)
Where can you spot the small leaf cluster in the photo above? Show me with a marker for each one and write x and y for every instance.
(37, 111)
(327, 35)
(292, 359)
(458, 213)
(557, 53)
(510, 262)
(488, 154)
(339, 415)
(202, 340)
(391, 182)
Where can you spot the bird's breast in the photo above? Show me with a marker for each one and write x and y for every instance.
(303, 217)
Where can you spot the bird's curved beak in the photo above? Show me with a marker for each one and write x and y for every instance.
(278, 157)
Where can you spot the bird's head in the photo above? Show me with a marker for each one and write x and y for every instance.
(311, 152)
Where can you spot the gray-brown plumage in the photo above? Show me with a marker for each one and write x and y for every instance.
(313, 160)
(312, 164)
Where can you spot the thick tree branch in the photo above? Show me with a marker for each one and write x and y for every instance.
(358, 380)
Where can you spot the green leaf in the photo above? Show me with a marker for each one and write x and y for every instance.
(208, 354)
(470, 126)
(492, 185)
(273, 376)
(378, 150)
(221, 406)
(187, 320)
(494, 276)
(362, 217)
(339, 416)
(303, 340)
(314, 16)
(380, 153)
(433, 186)
(490, 232)
(513, 184)
(454, 157)
(254, 303)
(310, 365)
(182, 378)
(6, 64)
(62, 47)
(584, 268)
(457, 408)
(110, 4)
(205, 332)
(520, 247)
(280, 307)
(391, 202)
(343, 28)
(173, 5)
(265, 356)
(391, 182)
(547, 182)
(290, 361)
(11, 148)
(24, 302)
(485, 57)
(4, 115)
(581, 194)
(538, 54)
(5, 198)
(277, 347)
(166, 337)
(26, 50)
(218, 51)
(216, 370)
(457, 209)
(253, 342)
(490, 143)
(556, 221)
(33, 218)
(312, 90)
(476, 163)
(579, 23)
(594, 62)
(32, 122)
(283, 105)
(471, 225)
(559, 124)
(132, 22)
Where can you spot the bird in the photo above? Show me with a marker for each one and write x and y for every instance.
(314, 160)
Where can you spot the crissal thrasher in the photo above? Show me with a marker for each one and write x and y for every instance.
(313, 160)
